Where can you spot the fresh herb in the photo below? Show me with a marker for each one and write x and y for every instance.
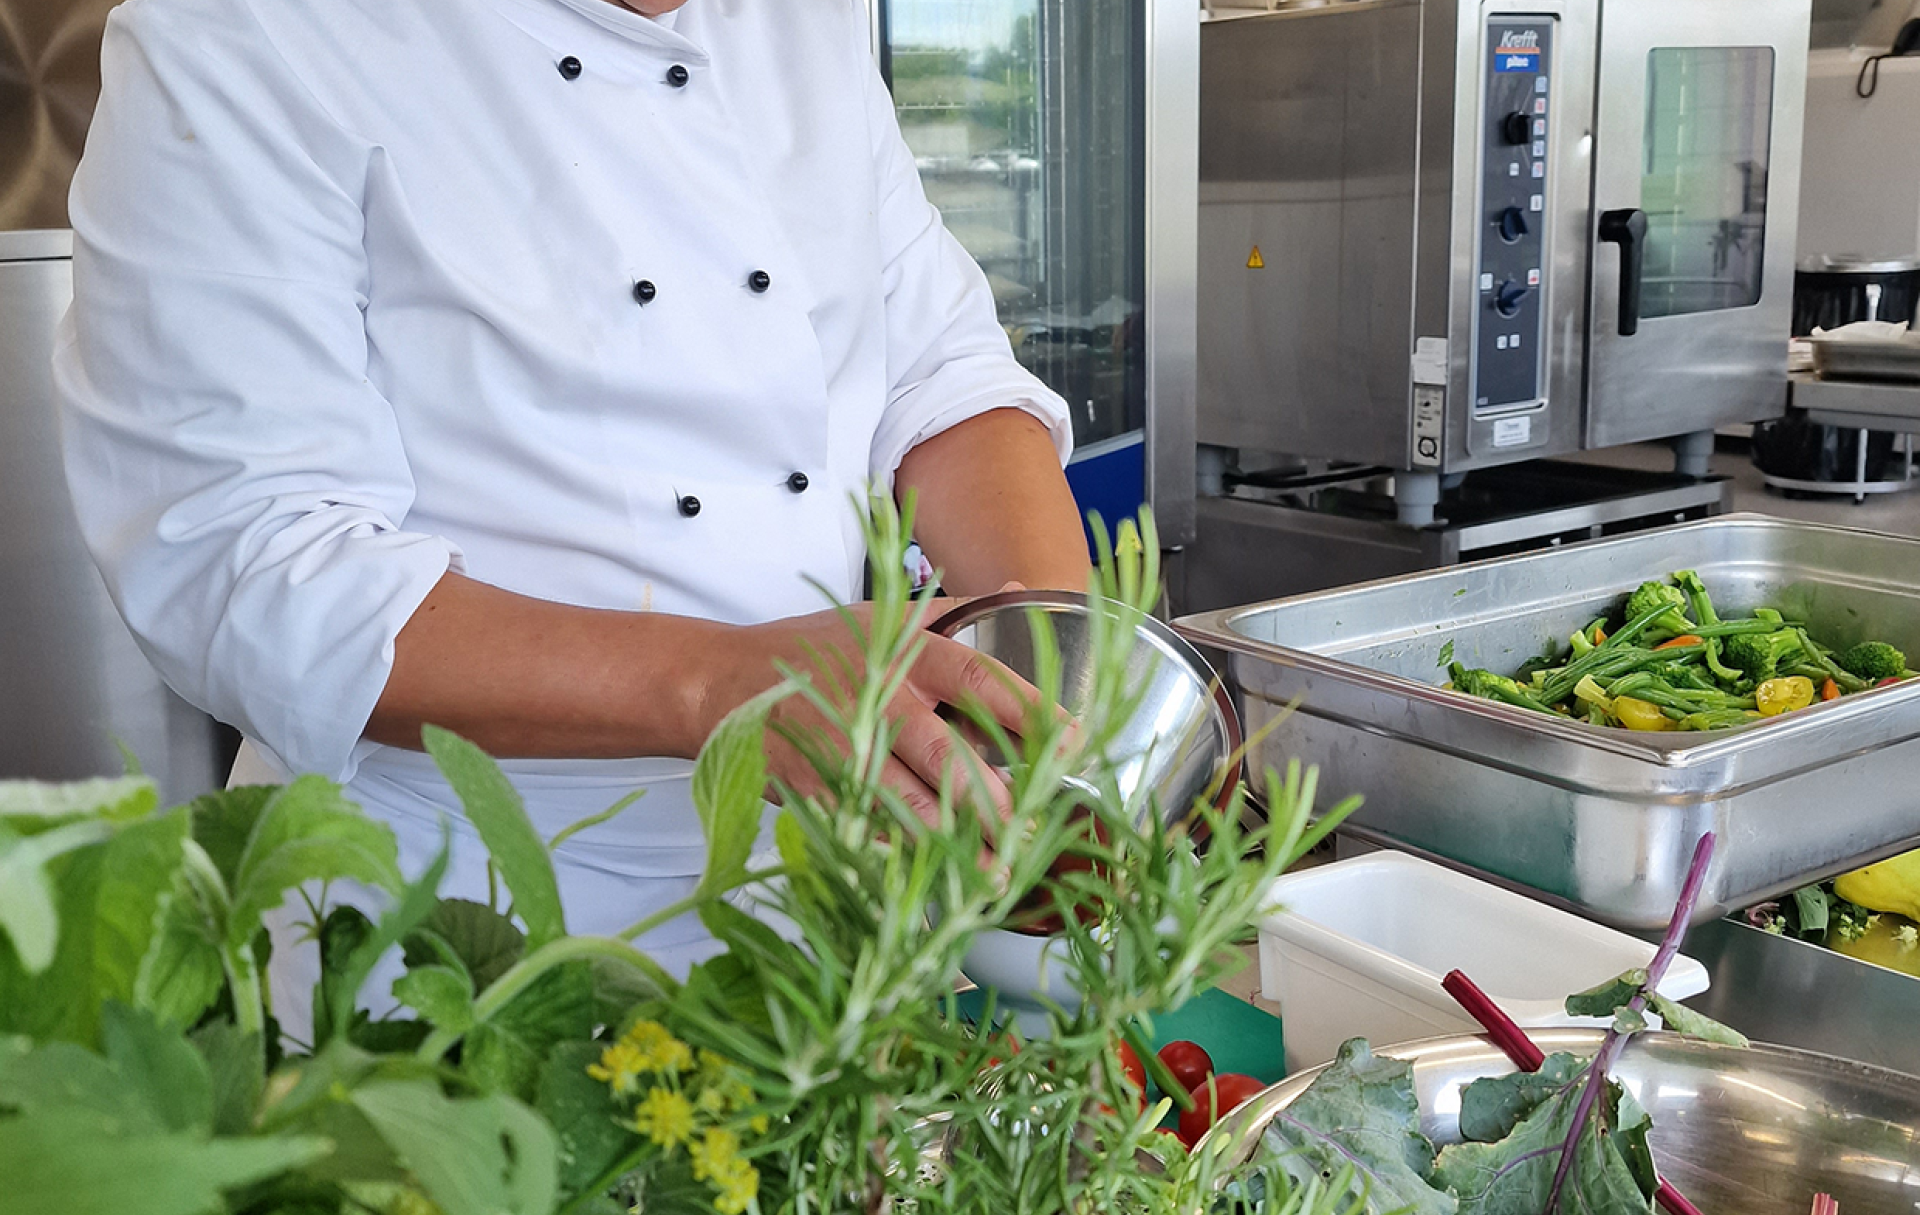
(531, 1071)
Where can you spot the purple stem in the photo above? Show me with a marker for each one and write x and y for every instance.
(1615, 1042)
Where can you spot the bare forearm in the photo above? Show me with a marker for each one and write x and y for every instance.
(994, 506)
(526, 678)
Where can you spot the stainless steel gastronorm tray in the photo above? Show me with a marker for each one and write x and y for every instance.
(1597, 819)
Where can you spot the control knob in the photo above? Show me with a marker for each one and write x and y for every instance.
(1507, 297)
(1512, 222)
(1514, 128)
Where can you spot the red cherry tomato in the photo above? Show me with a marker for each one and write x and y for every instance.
(1136, 1071)
(1219, 1096)
(1189, 1064)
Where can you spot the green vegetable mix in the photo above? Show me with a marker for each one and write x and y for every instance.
(1668, 660)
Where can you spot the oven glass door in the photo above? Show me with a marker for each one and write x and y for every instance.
(1696, 171)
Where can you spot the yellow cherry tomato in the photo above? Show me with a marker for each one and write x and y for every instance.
(1640, 715)
(1783, 695)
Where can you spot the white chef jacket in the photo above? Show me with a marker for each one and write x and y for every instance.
(599, 309)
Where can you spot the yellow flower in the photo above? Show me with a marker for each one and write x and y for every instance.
(619, 1068)
(738, 1186)
(758, 1124)
(712, 1102)
(658, 1049)
(718, 1152)
(714, 1066)
(666, 1118)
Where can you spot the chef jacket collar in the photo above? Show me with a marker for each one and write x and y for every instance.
(624, 21)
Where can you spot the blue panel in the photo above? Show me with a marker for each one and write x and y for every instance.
(1110, 478)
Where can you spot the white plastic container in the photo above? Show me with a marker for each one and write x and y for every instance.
(1361, 945)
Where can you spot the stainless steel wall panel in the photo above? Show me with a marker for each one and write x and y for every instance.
(74, 687)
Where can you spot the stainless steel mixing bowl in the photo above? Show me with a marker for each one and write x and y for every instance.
(1757, 1131)
(1184, 731)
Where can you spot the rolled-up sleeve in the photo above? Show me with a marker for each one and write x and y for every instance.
(948, 359)
(241, 484)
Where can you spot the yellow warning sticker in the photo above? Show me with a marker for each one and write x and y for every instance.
(1255, 261)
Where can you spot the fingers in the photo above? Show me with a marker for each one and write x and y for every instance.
(937, 754)
(918, 795)
(951, 673)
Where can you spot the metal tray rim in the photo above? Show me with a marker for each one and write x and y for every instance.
(1674, 751)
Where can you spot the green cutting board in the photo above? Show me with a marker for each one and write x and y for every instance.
(1239, 1037)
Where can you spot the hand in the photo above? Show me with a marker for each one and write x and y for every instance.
(927, 750)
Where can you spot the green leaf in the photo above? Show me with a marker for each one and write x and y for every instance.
(1631, 1125)
(27, 914)
(1683, 1020)
(1606, 999)
(1811, 905)
(494, 1060)
(159, 1068)
(108, 895)
(438, 993)
(308, 832)
(60, 1076)
(58, 1161)
(344, 930)
(1515, 1175)
(29, 806)
(486, 942)
(181, 974)
(481, 1156)
(1629, 1021)
(503, 1053)
(1492, 1106)
(236, 1068)
(495, 810)
(729, 791)
(415, 905)
(1361, 1111)
(582, 1112)
(223, 821)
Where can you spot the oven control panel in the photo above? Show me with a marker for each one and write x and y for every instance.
(1510, 326)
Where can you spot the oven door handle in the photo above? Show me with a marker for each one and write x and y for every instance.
(1628, 229)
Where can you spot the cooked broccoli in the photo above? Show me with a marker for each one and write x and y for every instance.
(1696, 591)
(1760, 654)
(1478, 682)
(1670, 604)
(1874, 661)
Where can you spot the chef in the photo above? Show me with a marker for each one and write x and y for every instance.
(508, 365)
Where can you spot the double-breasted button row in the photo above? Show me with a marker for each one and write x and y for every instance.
(571, 67)
(689, 506)
(644, 291)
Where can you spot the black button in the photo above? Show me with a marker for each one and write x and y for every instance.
(759, 280)
(689, 506)
(570, 68)
(798, 483)
(677, 76)
(643, 292)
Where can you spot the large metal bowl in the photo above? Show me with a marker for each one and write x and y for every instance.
(1757, 1131)
(1184, 735)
